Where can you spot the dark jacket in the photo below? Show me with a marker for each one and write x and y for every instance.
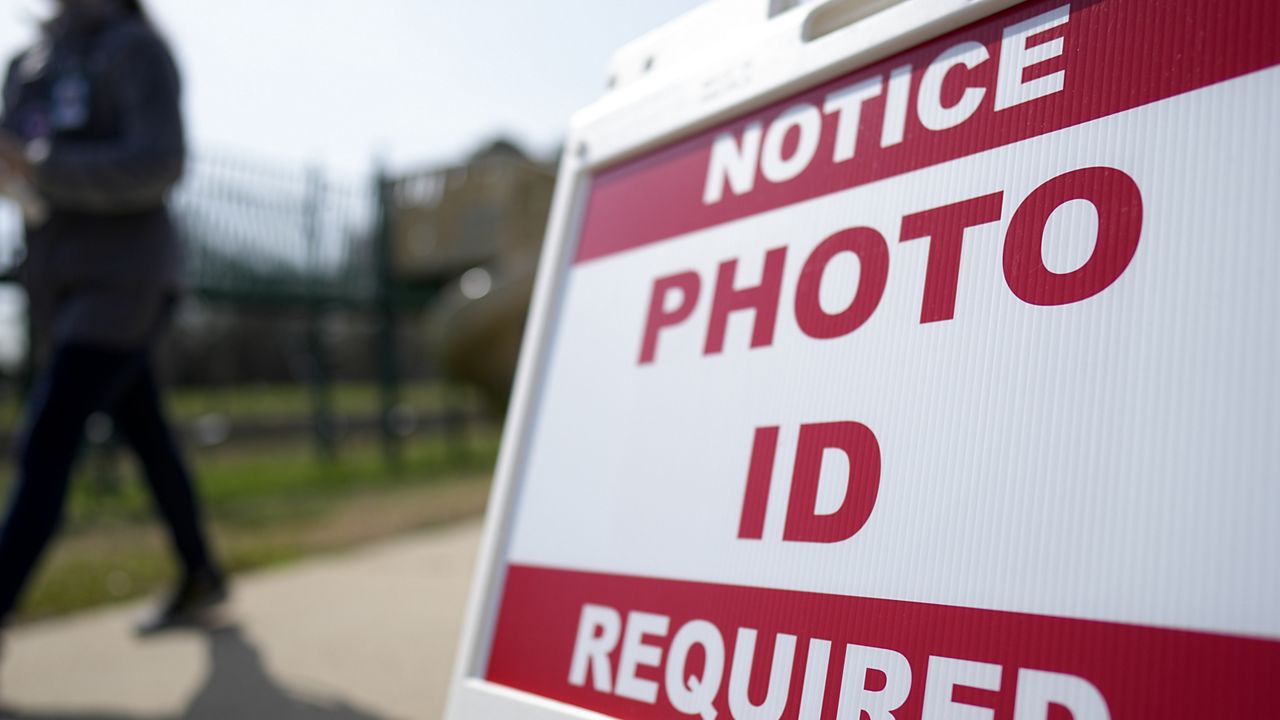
(103, 103)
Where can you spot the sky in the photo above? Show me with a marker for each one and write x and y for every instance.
(344, 83)
(348, 85)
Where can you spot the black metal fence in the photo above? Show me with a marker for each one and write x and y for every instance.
(264, 239)
(265, 234)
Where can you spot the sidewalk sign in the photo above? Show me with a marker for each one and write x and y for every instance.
(910, 359)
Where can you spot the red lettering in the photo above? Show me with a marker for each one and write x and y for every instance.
(689, 285)
(873, 260)
(759, 478)
(1118, 202)
(1113, 194)
(945, 226)
(862, 449)
(762, 298)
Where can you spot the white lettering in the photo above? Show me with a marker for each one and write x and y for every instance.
(737, 158)
(815, 680)
(846, 103)
(775, 700)
(734, 163)
(856, 699)
(806, 119)
(944, 675)
(895, 106)
(1016, 57)
(933, 114)
(635, 654)
(598, 631)
(695, 696)
(1038, 689)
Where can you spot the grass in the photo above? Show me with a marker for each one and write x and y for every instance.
(242, 482)
(266, 505)
(268, 400)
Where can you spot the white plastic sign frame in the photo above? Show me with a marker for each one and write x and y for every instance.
(1212, 340)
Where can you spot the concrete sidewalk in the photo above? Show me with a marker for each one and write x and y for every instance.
(362, 636)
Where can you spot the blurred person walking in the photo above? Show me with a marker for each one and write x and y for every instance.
(91, 124)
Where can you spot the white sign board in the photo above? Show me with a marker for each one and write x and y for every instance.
(928, 369)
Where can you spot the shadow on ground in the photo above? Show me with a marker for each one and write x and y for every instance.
(238, 686)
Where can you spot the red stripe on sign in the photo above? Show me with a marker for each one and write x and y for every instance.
(1115, 55)
(645, 648)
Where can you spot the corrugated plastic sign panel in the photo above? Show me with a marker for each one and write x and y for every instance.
(945, 389)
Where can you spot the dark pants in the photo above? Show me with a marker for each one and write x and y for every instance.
(81, 381)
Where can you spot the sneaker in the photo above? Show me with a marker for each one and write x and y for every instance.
(188, 605)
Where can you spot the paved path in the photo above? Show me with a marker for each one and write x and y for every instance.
(362, 636)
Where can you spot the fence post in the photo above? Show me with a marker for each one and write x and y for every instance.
(317, 351)
(387, 302)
